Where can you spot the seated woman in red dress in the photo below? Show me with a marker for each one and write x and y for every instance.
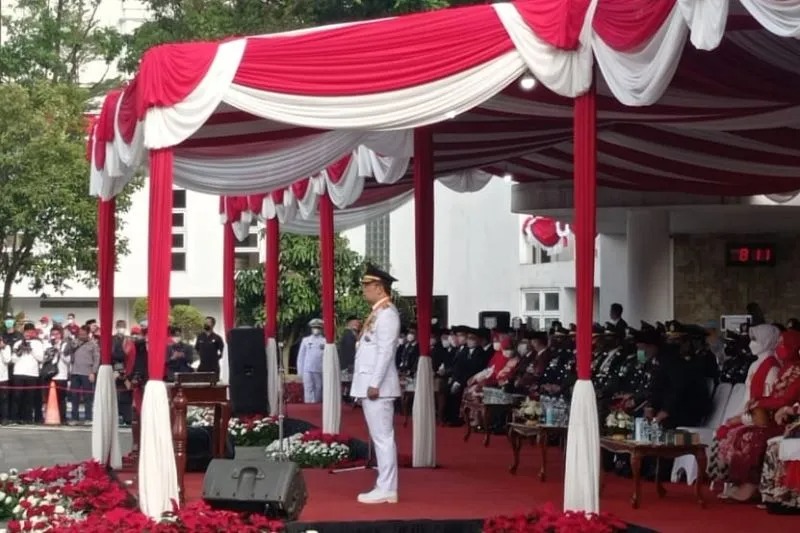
(741, 448)
(780, 477)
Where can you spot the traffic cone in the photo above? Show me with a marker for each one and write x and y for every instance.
(52, 417)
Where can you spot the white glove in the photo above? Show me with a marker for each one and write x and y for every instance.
(441, 370)
(455, 387)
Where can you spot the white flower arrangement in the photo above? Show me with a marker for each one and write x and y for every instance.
(309, 452)
(531, 409)
(245, 432)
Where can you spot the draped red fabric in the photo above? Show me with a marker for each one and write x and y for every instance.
(104, 132)
(169, 73)
(585, 199)
(423, 233)
(127, 115)
(336, 170)
(349, 61)
(626, 25)
(271, 281)
(327, 267)
(159, 264)
(106, 264)
(557, 22)
(299, 188)
(228, 277)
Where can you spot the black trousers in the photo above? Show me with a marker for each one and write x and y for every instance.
(39, 402)
(5, 402)
(125, 405)
(25, 396)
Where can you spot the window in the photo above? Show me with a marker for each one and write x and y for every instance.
(246, 254)
(541, 306)
(377, 245)
(179, 301)
(178, 230)
(60, 303)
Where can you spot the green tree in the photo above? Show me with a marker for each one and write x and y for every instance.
(188, 318)
(140, 309)
(48, 220)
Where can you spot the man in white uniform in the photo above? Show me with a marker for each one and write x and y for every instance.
(376, 383)
(309, 362)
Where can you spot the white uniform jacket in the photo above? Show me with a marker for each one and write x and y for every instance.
(375, 357)
(309, 359)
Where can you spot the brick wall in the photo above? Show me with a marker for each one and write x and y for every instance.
(705, 288)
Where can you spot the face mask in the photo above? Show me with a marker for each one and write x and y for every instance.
(508, 353)
(207, 327)
(9, 324)
(411, 337)
(316, 332)
(446, 342)
(451, 341)
(641, 356)
(471, 344)
(755, 347)
(120, 331)
(522, 349)
(70, 320)
(496, 346)
(176, 340)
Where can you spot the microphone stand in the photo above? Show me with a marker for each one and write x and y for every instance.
(282, 455)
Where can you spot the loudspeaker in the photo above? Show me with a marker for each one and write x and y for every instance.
(494, 319)
(276, 489)
(247, 362)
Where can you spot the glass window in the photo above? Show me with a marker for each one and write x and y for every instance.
(178, 240)
(178, 199)
(531, 301)
(377, 245)
(178, 220)
(250, 242)
(178, 261)
(551, 301)
(246, 260)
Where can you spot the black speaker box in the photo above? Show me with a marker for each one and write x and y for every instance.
(247, 362)
(500, 319)
(199, 448)
(276, 489)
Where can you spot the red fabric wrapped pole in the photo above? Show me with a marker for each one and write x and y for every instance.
(585, 199)
(423, 232)
(228, 277)
(271, 273)
(106, 265)
(326, 267)
(159, 264)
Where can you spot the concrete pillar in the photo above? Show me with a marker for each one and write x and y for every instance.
(613, 273)
(649, 267)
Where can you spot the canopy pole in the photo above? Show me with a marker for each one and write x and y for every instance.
(424, 419)
(271, 281)
(331, 378)
(158, 475)
(228, 278)
(105, 423)
(582, 477)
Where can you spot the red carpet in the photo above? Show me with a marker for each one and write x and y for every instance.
(473, 482)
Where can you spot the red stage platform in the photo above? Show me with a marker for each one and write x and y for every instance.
(474, 482)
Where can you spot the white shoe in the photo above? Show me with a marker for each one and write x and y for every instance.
(377, 496)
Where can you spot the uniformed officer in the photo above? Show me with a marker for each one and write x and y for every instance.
(376, 381)
(309, 362)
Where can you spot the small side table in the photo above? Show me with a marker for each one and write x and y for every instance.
(639, 450)
(518, 433)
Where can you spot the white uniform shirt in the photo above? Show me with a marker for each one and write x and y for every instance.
(375, 357)
(63, 362)
(27, 363)
(5, 359)
(310, 357)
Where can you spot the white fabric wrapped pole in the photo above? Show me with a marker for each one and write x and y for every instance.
(158, 475)
(424, 417)
(273, 379)
(582, 476)
(331, 390)
(105, 425)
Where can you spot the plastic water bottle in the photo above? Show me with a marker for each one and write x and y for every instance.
(549, 411)
(563, 412)
(656, 432)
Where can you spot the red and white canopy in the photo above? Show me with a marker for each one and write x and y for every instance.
(255, 115)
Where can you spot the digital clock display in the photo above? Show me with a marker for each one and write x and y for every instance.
(750, 254)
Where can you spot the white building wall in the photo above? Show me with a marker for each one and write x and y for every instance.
(612, 267)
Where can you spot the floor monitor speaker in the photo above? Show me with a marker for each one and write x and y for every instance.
(247, 363)
(275, 488)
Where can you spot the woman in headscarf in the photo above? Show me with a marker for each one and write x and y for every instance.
(501, 364)
(741, 448)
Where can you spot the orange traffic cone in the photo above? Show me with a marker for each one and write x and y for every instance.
(52, 417)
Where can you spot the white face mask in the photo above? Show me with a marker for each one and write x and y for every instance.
(316, 332)
(496, 346)
(446, 342)
(755, 347)
(522, 349)
(120, 331)
(508, 353)
(411, 337)
(176, 340)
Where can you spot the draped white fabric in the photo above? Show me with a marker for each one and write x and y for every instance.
(467, 181)
(158, 476)
(424, 417)
(780, 17)
(273, 378)
(582, 473)
(331, 390)
(105, 424)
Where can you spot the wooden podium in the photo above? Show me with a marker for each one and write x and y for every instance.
(198, 389)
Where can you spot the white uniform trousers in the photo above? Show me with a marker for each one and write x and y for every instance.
(312, 387)
(380, 422)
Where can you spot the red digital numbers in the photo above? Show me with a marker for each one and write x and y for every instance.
(751, 255)
(744, 255)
